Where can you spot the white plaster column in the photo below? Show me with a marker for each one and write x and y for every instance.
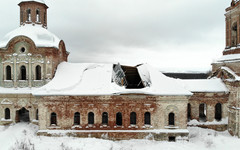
(15, 70)
(30, 70)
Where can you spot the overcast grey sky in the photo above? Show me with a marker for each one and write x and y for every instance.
(175, 35)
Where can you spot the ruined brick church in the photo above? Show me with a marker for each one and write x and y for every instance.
(111, 101)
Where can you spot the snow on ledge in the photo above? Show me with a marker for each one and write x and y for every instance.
(194, 122)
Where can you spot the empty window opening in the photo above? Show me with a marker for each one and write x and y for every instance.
(171, 119)
(29, 15)
(37, 15)
(23, 73)
(22, 115)
(53, 118)
(77, 118)
(189, 112)
(23, 50)
(147, 118)
(105, 118)
(37, 114)
(7, 113)
(171, 138)
(44, 18)
(234, 36)
(203, 112)
(38, 72)
(133, 78)
(21, 18)
(8, 73)
(218, 112)
(133, 118)
(119, 119)
(91, 118)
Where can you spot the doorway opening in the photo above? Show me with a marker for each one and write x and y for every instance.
(22, 115)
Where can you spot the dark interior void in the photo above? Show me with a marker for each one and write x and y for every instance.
(133, 78)
(22, 115)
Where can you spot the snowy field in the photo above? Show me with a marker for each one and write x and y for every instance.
(15, 137)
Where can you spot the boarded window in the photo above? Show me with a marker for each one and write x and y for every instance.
(119, 119)
(189, 112)
(203, 112)
(105, 118)
(53, 118)
(77, 118)
(147, 118)
(133, 118)
(38, 72)
(23, 73)
(171, 119)
(7, 113)
(91, 118)
(8, 73)
(218, 112)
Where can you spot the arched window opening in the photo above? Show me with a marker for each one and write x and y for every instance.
(23, 73)
(37, 114)
(7, 113)
(44, 18)
(234, 35)
(147, 118)
(28, 14)
(119, 119)
(133, 118)
(53, 118)
(77, 118)
(105, 118)
(37, 15)
(171, 119)
(91, 118)
(203, 112)
(8, 73)
(38, 72)
(189, 112)
(218, 112)
(21, 18)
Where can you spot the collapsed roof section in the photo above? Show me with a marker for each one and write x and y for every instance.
(110, 79)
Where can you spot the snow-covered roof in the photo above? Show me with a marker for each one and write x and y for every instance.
(96, 79)
(231, 57)
(39, 1)
(205, 85)
(40, 36)
(16, 90)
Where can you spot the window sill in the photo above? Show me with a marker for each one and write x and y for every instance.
(6, 120)
(53, 126)
(8, 80)
(76, 126)
(118, 126)
(147, 126)
(171, 127)
(133, 126)
(104, 126)
(90, 126)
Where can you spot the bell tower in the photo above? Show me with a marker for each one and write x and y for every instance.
(33, 12)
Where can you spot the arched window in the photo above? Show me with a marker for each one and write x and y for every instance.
(28, 14)
(105, 118)
(37, 15)
(203, 112)
(147, 118)
(23, 73)
(77, 118)
(91, 118)
(234, 36)
(189, 112)
(37, 114)
(171, 119)
(8, 73)
(133, 118)
(21, 18)
(38, 72)
(53, 118)
(7, 113)
(119, 119)
(218, 112)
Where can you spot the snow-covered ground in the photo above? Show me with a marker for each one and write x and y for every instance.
(15, 137)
